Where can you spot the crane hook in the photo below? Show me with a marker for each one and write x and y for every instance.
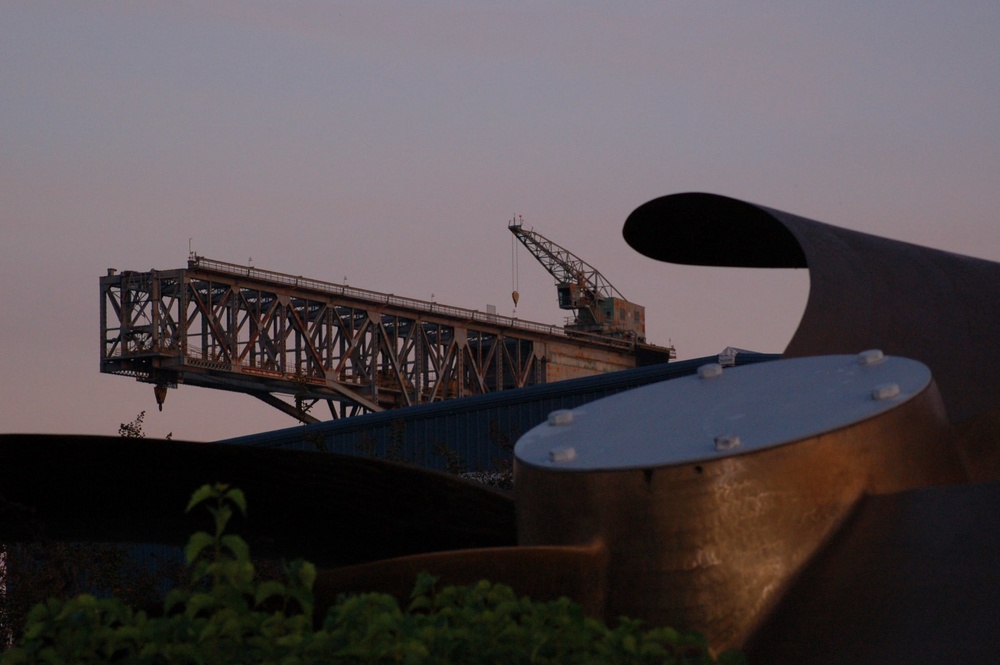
(160, 392)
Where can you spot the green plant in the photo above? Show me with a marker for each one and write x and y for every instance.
(226, 615)
(40, 568)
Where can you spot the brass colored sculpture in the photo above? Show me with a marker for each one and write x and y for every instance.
(910, 575)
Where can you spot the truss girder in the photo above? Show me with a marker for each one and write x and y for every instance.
(213, 329)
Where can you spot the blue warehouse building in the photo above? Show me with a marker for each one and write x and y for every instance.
(472, 433)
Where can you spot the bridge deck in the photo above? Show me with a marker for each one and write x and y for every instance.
(222, 325)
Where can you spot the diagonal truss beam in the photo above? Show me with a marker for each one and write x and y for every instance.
(224, 326)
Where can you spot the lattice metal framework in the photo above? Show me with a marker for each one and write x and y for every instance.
(239, 328)
(597, 305)
(564, 265)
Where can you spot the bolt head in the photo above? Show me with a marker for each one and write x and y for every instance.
(562, 454)
(560, 417)
(885, 391)
(727, 442)
(871, 357)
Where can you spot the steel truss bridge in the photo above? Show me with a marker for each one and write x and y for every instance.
(232, 327)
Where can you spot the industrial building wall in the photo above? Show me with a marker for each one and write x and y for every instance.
(473, 433)
(569, 361)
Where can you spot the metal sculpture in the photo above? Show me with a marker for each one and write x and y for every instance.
(862, 598)
(711, 492)
(864, 292)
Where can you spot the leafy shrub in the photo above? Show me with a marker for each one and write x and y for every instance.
(226, 615)
(44, 569)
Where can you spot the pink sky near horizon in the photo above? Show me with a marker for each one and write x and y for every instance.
(390, 143)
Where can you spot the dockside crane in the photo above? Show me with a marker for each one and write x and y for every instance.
(598, 307)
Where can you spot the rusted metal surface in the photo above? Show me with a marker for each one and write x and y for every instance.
(597, 305)
(232, 327)
(568, 361)
(711, 544)
(912, 578)
(542, 573)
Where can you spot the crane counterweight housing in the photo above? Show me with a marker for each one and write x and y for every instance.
(598, 306)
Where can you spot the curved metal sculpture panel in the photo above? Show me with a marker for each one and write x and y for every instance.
(865, 291)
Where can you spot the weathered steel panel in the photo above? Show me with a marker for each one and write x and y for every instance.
(566, 361)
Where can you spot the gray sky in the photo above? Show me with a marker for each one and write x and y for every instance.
(390, 142)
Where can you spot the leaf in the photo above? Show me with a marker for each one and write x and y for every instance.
(237, 497)
(424, 585)
(243, 572)
(236, 545)
(200, 569)
(198, 542)
(307, 574)
(269, 589)
(198, 602)
(221, 516)
(304, 599)
(200, 495)
(175, 597)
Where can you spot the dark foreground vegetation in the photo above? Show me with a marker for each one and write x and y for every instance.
(227, 614)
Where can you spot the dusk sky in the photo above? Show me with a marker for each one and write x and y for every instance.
(391, 142)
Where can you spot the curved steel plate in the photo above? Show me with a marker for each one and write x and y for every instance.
(542, 573)
(910, 578)
(940, 308)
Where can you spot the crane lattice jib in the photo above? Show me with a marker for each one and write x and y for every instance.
(565, 266)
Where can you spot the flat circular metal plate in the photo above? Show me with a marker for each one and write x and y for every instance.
(721, 413)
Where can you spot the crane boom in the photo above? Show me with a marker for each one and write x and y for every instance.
(598, 306)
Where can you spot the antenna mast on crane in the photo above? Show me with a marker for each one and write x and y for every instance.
(598, 306)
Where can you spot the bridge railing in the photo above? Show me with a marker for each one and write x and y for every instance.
(200, 262)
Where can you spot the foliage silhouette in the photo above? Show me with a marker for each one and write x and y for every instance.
(225, 614)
